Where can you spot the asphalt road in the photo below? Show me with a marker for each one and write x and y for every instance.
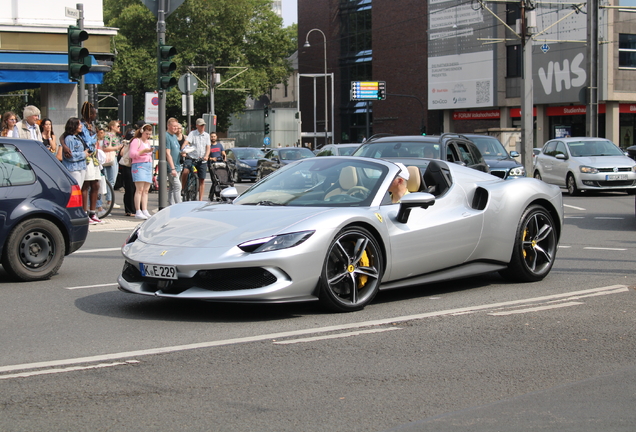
(479, 354)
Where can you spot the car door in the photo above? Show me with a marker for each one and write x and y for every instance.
(560, 166)
(545, 161)
(441, 236)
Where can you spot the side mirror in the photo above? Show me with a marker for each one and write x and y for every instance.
(561, 156)
(514, 154)
(229, 194)
(412, 200)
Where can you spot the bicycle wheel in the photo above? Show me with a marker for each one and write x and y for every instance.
(192, 188)
(107, 208)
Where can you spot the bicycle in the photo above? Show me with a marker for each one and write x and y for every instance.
(106, 209)
(191, 191)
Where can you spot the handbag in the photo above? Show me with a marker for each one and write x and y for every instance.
(110, 158)
(125, 156)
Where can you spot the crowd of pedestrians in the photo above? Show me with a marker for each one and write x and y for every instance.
(92, 153)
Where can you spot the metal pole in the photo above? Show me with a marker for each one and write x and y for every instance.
(591, 118)
(163, 172)
(326, 100)
(527, 103)
(315, 127)
(188, 108)
(368, 129)
(81, 97)
(212, 108)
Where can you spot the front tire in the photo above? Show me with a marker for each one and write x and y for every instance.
(352, 271)
(571, 185)
(34, 250)
(535, 247)
(537, 175)
(235, 177)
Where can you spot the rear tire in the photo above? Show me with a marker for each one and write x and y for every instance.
(34, 250)
(192, 188)
(352, 271)
(535, 247)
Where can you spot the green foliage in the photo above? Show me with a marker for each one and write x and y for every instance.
(223, 33)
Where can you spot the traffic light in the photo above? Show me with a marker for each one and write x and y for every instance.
(423, 130)
(266, 111)
(165, 67)
(79, 61)
(266, 128)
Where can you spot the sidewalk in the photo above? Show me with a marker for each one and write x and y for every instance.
(117, 219)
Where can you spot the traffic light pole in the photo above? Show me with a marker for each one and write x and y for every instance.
(81, 97)
(163, 172)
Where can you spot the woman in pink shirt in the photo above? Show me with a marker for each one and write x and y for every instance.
(141, 155)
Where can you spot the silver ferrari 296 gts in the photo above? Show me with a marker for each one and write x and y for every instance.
(326, 229)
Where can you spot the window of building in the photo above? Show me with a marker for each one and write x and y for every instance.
(627, 51)
(513, 61)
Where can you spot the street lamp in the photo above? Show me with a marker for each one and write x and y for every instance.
(307, 45)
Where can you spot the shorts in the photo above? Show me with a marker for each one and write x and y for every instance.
(202, 172)
(142, 172)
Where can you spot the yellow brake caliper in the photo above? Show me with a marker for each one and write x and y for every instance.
(364, 262)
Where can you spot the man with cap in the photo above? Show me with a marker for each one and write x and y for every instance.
(29, 128)
(398, 187)
(197, 146)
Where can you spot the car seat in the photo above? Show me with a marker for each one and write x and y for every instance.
(436, 179)
(414, 182)
(348, 178)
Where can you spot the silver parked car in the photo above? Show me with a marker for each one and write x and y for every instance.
(326, 229)
(585, 164)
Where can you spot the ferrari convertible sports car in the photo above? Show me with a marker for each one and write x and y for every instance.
(326, 229)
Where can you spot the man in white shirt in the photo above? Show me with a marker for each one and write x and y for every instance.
(197, 147)
(29, 128)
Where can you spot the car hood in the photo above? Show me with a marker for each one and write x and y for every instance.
(219, 225)
(502, 163)
(604, 161)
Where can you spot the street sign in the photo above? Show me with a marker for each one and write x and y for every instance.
(151, 111)
(170, 6)
(368, 90)
(188, 85)
(72, 13)
(267, 141)
(545, 48)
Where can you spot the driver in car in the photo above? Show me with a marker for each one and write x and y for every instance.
(398, 187)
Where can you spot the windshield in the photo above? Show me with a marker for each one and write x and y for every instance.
(318, 182)
(594, 148)
(417, 149)
(346, 151)
(490, 147)
(248, 153)
(296, 153)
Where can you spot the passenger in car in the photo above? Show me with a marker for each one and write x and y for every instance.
(398, 187)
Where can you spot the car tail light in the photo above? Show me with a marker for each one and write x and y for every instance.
(76, 197)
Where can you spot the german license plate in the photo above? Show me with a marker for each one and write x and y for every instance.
(158, 271)
(616, 177)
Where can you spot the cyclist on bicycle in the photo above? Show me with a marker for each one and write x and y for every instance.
(199, 141)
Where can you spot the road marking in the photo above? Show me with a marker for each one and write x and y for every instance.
(97, 250)
(573, 207)
(293, 333)
(91, 286)
(602, 248)
(536, 309)
(69, 369)
(335, 336)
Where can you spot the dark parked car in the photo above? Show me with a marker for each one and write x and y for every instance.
(242, 161)
(338, 149)
(42, 218)
(449, 147)
(501, 163)
(279, 157)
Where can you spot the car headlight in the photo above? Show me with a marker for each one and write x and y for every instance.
(588, 170)
(517, 172)
(273, 243)
(244, 165)
(634, 168)
(133, 235)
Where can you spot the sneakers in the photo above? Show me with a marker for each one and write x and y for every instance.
(115, 205)
(93, 219)
(145, 212)
(140, 215)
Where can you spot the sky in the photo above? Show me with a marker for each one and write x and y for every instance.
(290, 15)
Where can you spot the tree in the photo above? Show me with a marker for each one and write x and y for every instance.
(236, 33)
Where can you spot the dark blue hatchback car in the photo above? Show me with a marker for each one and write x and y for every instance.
(41, 214)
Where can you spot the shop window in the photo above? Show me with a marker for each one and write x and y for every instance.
(627, 51)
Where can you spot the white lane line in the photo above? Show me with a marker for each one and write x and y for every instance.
(573, 207)
(91, 286)
(564, 247)
(335, 336)
(97, 250)
(604, 248)
(609, 218)
(536, 309)
(69, 369)
(264, 337)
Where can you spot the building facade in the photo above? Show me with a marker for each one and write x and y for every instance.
(456, 67)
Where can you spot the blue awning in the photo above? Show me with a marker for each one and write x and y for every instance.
(42, 68)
